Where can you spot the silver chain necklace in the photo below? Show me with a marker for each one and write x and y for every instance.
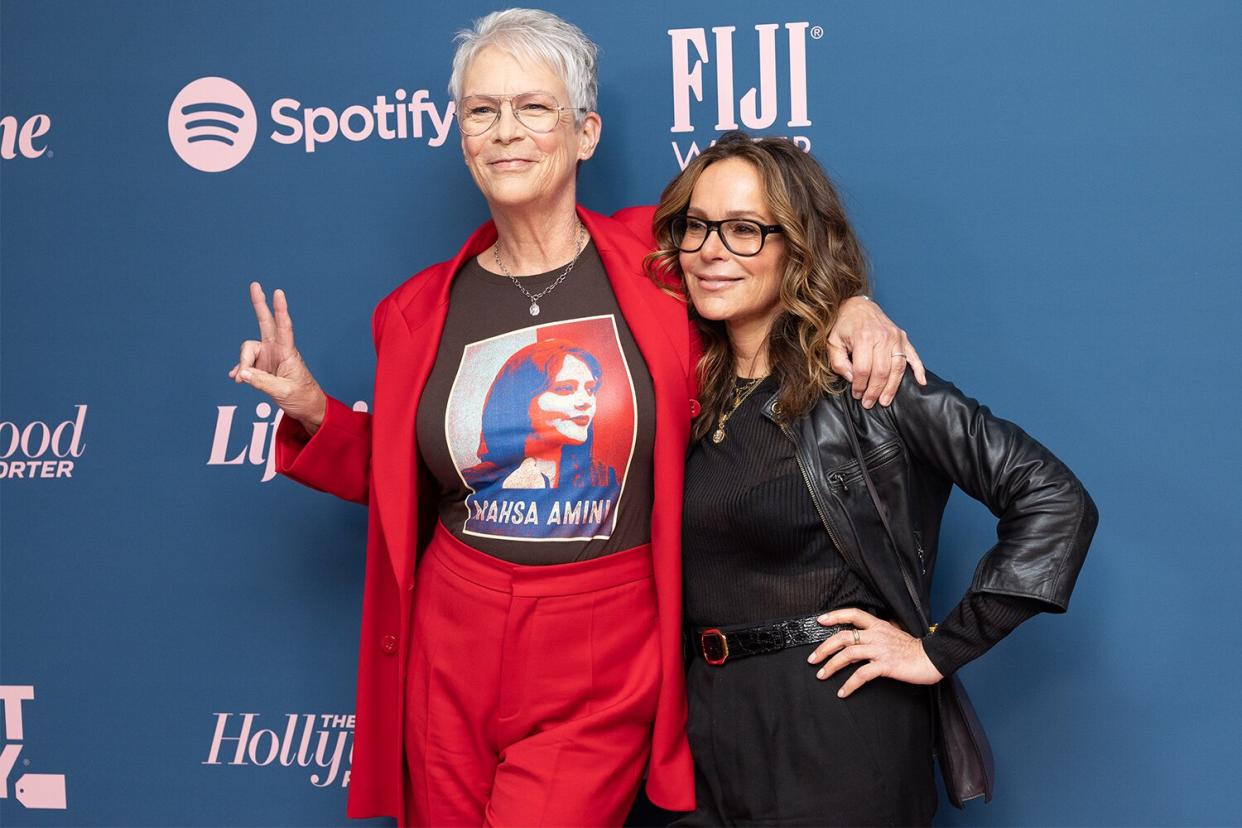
(535, 297)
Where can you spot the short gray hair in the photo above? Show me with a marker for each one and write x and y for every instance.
(533, 34)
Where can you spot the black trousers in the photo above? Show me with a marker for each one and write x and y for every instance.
(773, 745)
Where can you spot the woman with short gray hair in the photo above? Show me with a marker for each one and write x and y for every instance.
(521, 654)
(534, 36)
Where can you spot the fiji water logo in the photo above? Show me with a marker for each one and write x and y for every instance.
(34, 790)
(780, 95)
(212, 124)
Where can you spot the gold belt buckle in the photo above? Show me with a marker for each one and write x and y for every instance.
(714, 646)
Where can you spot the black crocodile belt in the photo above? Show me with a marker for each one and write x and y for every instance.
(717, 647)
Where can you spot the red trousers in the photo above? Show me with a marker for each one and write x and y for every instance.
(531, 689)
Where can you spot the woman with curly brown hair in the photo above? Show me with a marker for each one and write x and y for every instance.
(810, 523)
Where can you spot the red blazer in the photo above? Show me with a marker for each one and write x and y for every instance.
(373, 459)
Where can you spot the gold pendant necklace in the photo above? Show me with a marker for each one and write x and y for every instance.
(740, 393)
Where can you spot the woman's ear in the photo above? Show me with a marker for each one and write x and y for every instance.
(588, 135)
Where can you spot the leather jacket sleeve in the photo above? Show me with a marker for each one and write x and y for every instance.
(1046, 517)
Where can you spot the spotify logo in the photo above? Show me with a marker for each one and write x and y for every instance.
(212, 124)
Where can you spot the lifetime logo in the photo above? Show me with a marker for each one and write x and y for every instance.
(260, 450)
(34, 790)
(19, 138)
(212, 123)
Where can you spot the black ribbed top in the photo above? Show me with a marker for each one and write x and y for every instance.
(974, 625)
(754, 549)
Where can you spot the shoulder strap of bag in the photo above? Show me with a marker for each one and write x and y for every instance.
(962, 746)
(852, 430)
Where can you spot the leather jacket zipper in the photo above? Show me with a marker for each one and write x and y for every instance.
(842, 479)
(836, 539)
(806, 478)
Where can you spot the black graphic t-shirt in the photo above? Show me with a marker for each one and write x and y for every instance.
(539, 429)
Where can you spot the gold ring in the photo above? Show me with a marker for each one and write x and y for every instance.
(857, 637)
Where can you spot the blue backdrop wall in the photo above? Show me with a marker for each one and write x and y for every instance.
(1050, 195)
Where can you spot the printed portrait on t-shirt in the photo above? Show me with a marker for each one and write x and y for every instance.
(541, 426)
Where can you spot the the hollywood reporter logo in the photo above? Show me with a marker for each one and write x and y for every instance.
(34, 790)
(41, 449)
(757, 108)
(322, 740)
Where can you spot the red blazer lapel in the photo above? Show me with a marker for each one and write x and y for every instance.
(657, 320)
(407, 338)
(660, 327)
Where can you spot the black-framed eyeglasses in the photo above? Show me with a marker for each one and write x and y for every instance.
(537, 111)
(742, 237)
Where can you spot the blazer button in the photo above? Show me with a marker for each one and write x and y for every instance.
(389, 644)
(695, 408)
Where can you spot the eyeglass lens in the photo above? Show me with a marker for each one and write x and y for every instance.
(537, 111)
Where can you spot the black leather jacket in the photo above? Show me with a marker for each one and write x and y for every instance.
(929, 439)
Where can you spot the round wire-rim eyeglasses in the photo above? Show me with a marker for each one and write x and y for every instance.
(537, 111)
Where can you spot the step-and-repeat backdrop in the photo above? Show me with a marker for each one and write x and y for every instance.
(1050, 195)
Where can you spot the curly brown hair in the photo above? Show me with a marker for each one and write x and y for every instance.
(824, 265)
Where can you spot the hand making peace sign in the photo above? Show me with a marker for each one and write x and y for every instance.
(274, 366)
